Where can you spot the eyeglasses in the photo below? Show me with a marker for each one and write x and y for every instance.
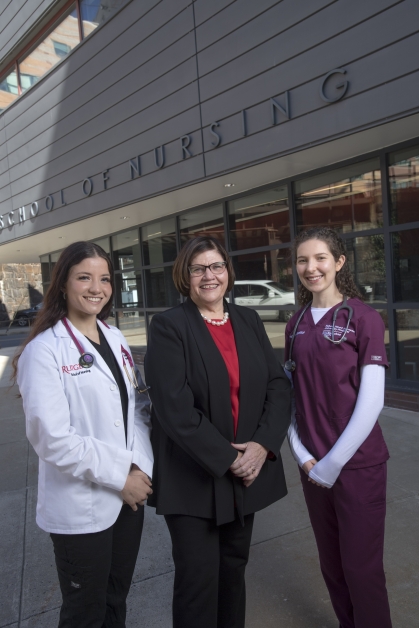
(217, 268)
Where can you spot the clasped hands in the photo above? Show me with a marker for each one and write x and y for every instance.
(307, 467)
(250, 459)
(137, 488)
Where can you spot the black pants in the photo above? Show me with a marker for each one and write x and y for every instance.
(95, 572)
(210, 562)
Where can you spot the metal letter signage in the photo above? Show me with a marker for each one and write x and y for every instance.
(34, 209)
(185, 141)
(343, 86)
(135, 167)
(22, 216)
(284, 110)
(49, 202)
(87, 186)
(159, 156)
(217, 142)
(105, 178)
(11, 218)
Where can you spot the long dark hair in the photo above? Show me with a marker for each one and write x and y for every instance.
(344, 280)
(54, 307)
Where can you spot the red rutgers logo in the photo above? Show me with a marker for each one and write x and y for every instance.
(71, 368)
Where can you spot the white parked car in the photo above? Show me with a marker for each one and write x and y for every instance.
(264, 292)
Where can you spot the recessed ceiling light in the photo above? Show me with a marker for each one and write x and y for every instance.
(229, 185)
(61, 237)
(124, 217)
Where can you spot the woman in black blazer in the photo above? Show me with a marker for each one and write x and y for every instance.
(221, 410)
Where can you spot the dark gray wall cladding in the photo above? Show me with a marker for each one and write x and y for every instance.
(234, 16)
(90, 159)
(331, 21)
(80, 107)
(17, 18)
(204, 9)
(371, 35)
(380, 104)
(133, 85)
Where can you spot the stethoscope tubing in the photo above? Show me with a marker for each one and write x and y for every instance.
(290, 364)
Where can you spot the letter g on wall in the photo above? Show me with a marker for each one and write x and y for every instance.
(341, 88)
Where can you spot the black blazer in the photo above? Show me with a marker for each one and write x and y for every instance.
(192, 419)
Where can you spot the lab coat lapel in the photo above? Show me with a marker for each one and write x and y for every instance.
(218, 381)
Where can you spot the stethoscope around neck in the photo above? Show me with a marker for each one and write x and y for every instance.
(290, 363)
(86, 359)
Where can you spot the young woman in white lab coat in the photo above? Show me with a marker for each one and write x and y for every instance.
(88, 419)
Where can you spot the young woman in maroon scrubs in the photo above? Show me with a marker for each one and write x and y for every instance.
(337, 358)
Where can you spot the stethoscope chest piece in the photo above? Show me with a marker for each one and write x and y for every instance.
(290, 365)
(86, 360)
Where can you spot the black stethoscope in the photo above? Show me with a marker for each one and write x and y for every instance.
(86, 360)
(290, 363)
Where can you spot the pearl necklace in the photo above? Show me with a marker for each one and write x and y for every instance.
(218, 323)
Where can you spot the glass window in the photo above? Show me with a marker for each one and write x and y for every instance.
(104, 243)
(54, 259)
(408, 343)
(404, 186)
(159, 242)
(50, 51)
(367, 263)
(95, 12)
(207, 221)
(406, 265)
(45, 270)
(9, 90)
(276, 333)
(132, 325)
(126, 250)
(345, 199)
(384, 316)
(160, 289)
(259, 219)
(129, 289)
(264, 279)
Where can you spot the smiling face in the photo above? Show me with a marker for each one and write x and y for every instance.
(88, 288)
(317, 268)
(209, 289)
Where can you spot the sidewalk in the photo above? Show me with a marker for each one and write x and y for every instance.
(284, 583)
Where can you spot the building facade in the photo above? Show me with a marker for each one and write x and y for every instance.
(138, 124)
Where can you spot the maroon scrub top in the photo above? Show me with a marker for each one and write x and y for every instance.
(327, 378)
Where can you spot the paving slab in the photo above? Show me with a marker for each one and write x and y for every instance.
(13, 458)
(149, 604)
(12, 530)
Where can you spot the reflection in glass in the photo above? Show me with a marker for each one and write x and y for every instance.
(260, 219)
(104, 243)
(276, 334)
(345, 199)
(406, 265)
(408, 343)
(404, 186)
(50, 51)
(132, 325)
(54, 259)
(9, 90)
(159, 242)
(45, 270)
(126, 250)
(207, 221)
(160, 289)
(367, 263)
(95, 12)
(129, 289)
(111, 320)
(384, 316)
(264, 279)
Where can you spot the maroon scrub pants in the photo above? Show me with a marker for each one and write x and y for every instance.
(348, 523)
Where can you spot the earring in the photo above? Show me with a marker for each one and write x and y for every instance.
(64, 296)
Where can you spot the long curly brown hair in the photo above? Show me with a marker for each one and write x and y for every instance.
(344, 280)
(54, 307)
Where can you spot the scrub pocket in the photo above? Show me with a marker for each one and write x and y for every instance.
(73, 582)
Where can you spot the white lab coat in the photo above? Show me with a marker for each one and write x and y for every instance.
(74, 422)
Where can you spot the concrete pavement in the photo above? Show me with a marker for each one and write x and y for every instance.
(284, 583)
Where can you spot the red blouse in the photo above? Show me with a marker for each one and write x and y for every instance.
(223, 336)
